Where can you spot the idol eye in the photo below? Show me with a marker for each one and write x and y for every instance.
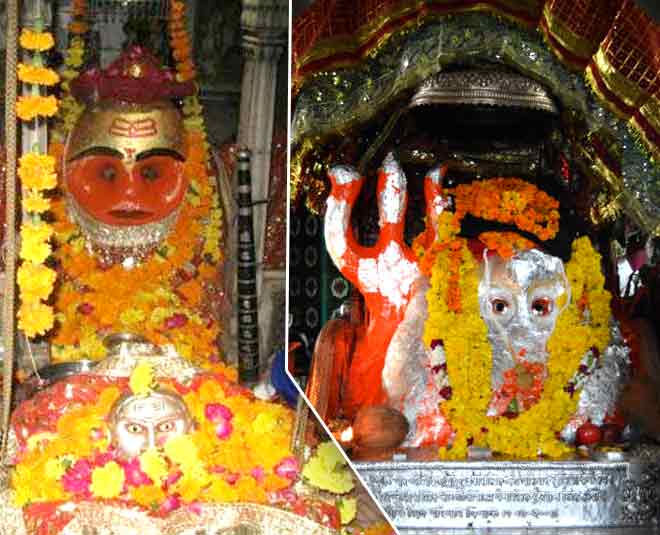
(149, 173)
(166, 427)
(108, 173)
(134, 428)
(541, 306)
(499, 306)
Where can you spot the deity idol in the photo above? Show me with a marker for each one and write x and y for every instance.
(139, 229)
(494, 314)
(146, 442)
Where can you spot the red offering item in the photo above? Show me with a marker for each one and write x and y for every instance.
(589, 434)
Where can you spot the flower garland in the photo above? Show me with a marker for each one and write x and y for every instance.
(180, 43)
(73, 60)
(164, 298)
(37, 175)
(238, 451)
(463, 335)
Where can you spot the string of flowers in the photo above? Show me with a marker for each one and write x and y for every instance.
(73, 61)
(464, 337)
(180, 43)
(36, 172)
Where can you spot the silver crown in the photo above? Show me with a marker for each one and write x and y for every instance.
(484, 87)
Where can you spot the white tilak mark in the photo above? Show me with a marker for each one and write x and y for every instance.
(392, 198)
(336, 226)
(344, 174)
(391, 274)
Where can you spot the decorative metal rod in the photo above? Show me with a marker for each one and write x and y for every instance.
(248, 325)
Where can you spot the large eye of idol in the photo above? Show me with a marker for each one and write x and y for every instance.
(500, 305)
(117, 191)
(134, 428)
(542, 303)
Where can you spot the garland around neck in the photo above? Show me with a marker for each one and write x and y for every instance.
(581, 326)
(170, 298)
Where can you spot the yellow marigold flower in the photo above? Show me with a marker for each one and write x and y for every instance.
(30, 74)
(132, 316)
(34, 201)
(264, 423)
(189, 488)
(35, 318)
(74, 57)
(39, 41)
(148, 495)
(107, 481)
(31, 107)
(37, 171)
(153, 464)
(54, 469)
(91, 345)
(182, 450)
(34, 242)
(347, 510)
(142, 379)
(36, 281)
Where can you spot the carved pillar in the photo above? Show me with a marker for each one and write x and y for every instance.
(265, 34)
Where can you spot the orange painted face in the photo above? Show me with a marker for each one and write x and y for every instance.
(124, 163)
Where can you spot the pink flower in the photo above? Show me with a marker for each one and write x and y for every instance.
(173, 478)
(217, 469)
(223, 429)
(288, 468)
(258, 473)
(195, 507)
(284, 495)
(134, 474)
(175, 321)
(78, 478)
(170, 504)
(231, 478)
(215, 412)
(101, 459)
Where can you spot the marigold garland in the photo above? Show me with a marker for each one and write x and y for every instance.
(180, 42)
(74, 58)
(468, 358)
(37, 174)
(162, 298)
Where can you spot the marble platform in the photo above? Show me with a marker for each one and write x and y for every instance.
(518, 497)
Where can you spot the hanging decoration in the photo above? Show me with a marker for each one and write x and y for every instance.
(600, 61)
(36, 171)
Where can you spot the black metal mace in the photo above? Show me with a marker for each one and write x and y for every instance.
(248, 326)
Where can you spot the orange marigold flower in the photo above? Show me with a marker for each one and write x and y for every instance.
(78, 27)
(30, 107)
(38, 41)
(30, 74)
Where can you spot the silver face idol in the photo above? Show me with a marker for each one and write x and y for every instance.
(138, 423)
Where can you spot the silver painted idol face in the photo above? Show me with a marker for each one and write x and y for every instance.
(138, 423)
(519, 301)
